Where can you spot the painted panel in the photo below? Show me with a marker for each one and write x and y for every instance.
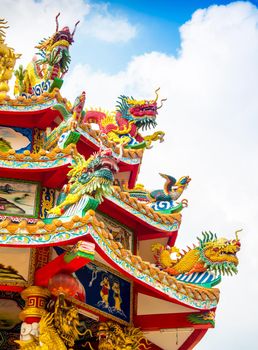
(120, 233)
(105, 290)
(14, 266)
(19, 139)
(19, 198)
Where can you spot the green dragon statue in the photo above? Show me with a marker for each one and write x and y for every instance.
(123, 125)
(65, 134)
(211, 258)
(93, 177)
(207, 317)
(46, 72)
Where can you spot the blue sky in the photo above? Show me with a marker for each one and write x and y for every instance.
(157, 24)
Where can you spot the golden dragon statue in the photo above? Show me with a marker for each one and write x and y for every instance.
(58, 330)
(212, 257)
(7, 60)
(112, 336)
(48, 337)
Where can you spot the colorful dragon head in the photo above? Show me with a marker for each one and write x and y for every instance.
(219, 255)
(142, 112)
(7, 58)
(101, 165)
(93, 177)
(55, 50)
(202, 264)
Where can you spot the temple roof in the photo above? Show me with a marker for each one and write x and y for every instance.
(58, 231)
(34, 111)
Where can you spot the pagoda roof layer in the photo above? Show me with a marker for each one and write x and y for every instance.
(40, 160)
(144, 214)
(30, 112)
(142, 272)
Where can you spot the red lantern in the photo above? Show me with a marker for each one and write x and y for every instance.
(63, 283)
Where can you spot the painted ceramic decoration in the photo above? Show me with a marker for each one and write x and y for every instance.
(106, 291)
(119, 232)
(19, 139)
(14, 270)
(18, 198)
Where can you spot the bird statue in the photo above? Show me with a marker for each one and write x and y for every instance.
(163, 199)
(172, 188)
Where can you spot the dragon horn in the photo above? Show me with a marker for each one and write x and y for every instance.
(76, 24)
(236, 233)
(57, 25)
(157, 95)
(161, 101)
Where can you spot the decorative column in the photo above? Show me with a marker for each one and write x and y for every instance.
(36, 299)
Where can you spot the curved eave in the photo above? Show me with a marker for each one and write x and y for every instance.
(36, 115)
(49, 236)
(60, 233)
(33, 112)
(169, 288)
(39, 166)
(48, 167)
(51, 173)
(151, 224)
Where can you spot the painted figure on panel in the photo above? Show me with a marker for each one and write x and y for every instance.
(116, 295)
(104, 293)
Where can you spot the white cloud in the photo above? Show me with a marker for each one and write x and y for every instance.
(30, 21)
(210, 120)
(110, 28)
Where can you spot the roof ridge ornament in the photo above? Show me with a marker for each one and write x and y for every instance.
(7, 60)
(49, 66)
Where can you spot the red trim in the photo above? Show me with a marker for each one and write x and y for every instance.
(155, 322)
(57, 265)
(193, 340)
(29, 119)
(32, 319)
(12, 288)
(147, 230)
(50, 177)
